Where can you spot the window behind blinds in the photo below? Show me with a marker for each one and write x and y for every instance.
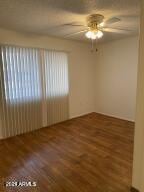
(33, 87)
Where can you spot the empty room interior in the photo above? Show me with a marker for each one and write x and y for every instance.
(72, 95)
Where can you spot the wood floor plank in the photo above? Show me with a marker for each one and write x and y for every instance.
(91, 153)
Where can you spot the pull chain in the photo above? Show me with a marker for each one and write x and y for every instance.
(96, 42)
(92, 46)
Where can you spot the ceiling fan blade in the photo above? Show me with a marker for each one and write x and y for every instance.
(74, 25)
(112, 20)
(116, 30)
(76, 33)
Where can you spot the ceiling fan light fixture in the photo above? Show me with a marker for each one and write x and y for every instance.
(88, 34)
(91, 35)
(99, 34)
(94, 34)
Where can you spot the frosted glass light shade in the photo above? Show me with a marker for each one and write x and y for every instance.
(88, 34)
(99, 34)
(94, 35)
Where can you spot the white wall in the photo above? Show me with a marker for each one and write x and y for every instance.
(138, 163)
(81, 65)
(116, 77)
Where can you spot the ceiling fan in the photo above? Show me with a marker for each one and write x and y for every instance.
(96, 26)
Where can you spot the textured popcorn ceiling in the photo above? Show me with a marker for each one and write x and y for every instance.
(47, 17)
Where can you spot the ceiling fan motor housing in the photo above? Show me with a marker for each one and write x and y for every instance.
(94, 20)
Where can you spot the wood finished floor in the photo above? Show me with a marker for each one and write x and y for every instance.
(92, 153)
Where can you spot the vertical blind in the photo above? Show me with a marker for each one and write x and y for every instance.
(33, 89)
(56, 83)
